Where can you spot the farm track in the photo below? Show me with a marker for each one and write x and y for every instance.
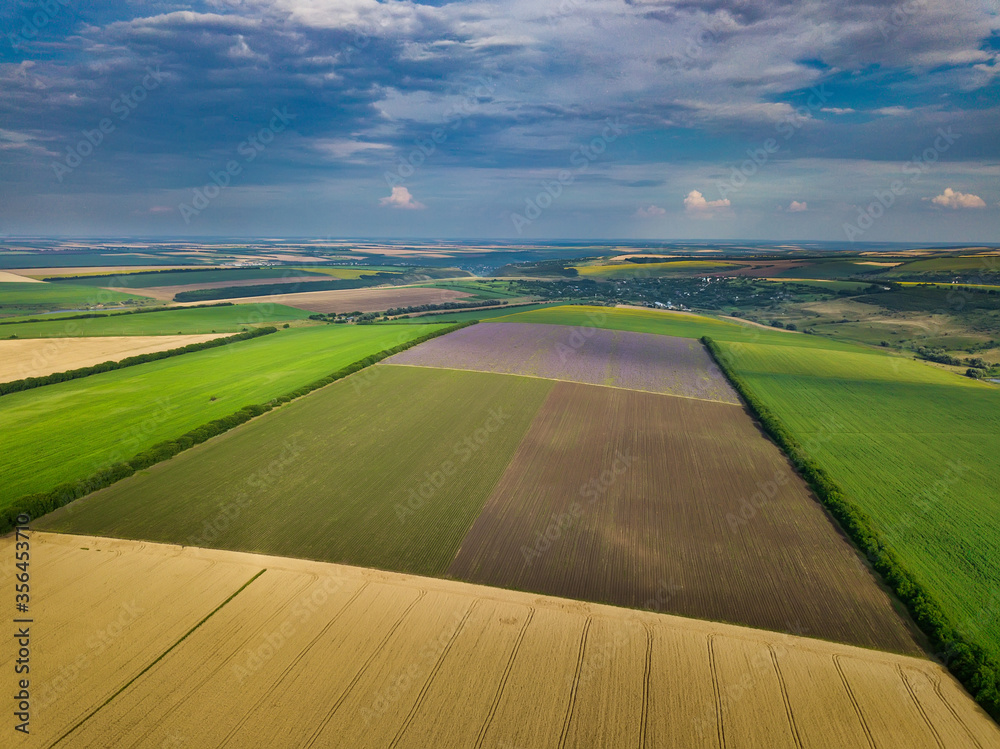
(383, 659)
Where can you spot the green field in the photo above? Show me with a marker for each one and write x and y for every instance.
(649, 270)
(348, 272)
(35, 298)
(180, 278)
(483, 314)
(69, 430)
(485, 290)
(965, 265)
(186, 320)
(324, 476)
(913, 446)
(663, 322)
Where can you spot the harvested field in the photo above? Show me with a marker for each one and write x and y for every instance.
(675, 505)
(36, 357)
(358, 300)
(11, 277)
(161, 646)
(387, 468)
(636, 361)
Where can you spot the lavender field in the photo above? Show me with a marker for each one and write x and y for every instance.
(636, 361)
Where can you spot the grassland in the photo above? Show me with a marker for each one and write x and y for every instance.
(662, 322)
(348, 272)
(482, 314)
(676, 505)
(613, 271)
(910, 445)
(36, 357)
(386, 469)
(34, 298)
(180, 321)
(172, 645)
(67, 431)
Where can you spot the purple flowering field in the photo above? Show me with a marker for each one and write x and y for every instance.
(636, 361)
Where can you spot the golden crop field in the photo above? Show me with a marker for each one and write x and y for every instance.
(37, 357)
(163, 646)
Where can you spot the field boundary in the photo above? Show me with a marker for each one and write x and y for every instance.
(17, 386)
(971, 664)
(38, 504)
(560, 379)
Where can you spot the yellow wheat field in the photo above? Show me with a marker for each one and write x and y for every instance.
(148, 645)
(37, 357)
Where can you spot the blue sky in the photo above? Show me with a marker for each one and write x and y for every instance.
(665, 119)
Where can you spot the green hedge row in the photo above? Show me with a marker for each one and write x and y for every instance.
(16, 386)
(88, 315)
(970, 663)
(36, 505)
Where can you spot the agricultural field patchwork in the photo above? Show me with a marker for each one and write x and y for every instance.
(387, 468)
(67, 431)
(636, 361)
(907, 442)
(363, 300)
(676, 505)
(179, 645)
(37, 357)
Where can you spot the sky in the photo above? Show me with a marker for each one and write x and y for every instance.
(509, 119)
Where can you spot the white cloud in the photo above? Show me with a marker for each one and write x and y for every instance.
(401, 198)
(650, 211)
(838, 110)
(343, 148)
(797, 207)
(696, 205)
(891, 111)
(954, 199)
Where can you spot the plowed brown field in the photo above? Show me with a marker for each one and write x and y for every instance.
(144, 645)
(675, 505)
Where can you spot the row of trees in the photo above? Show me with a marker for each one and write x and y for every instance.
(973, 666)
(15, 386)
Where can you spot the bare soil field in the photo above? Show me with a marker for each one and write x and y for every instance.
(636, 361)
(167, 646)
(357, 300)
(36, 357)
(675, 505)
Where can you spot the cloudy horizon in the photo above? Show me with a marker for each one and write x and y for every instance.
(646, 119)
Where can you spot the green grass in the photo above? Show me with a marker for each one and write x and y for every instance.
(324, 477)
(480, 290)
(348, 272)
(484, 314)
(651, 270)
(228, 319)
(914, 447)
(68, 431)
(663, 322)
(34, 298)
(986, 264)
